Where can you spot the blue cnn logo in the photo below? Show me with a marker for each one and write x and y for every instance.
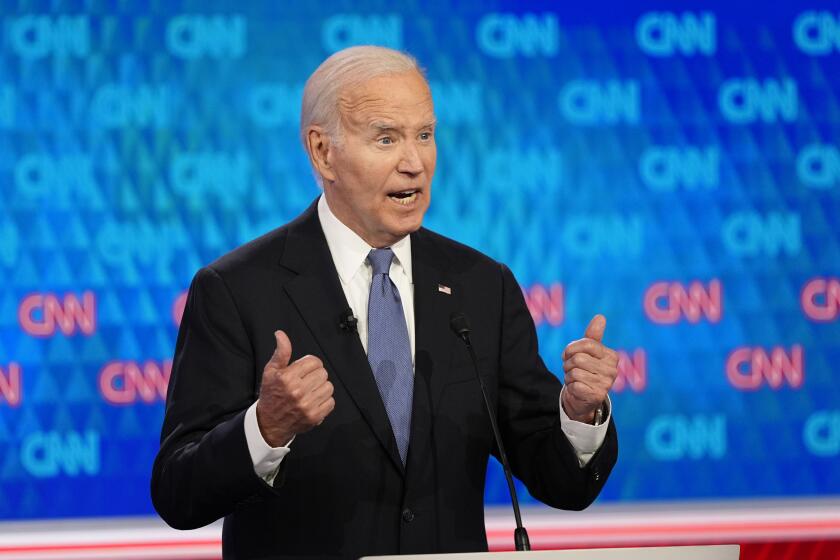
(672, 437)
(345, 30)
(666, 33)
(125, 245)
(192, 37)
(665, 168)
(199, 177)
(821, 433)
(587, 102)
(593, 236)
(39, 176)
(48, 454)
(744, 101)
(117, 106)
(38, 36)
(749, 234)
(508, 35)
(818, 166)
(458, 102)
(275, 104)
(817, 33)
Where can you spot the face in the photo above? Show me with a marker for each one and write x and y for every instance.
(378, 178)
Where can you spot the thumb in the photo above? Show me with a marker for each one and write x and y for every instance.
(596, 327)
(283, 352)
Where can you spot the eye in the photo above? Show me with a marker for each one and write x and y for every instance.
(385, 140)
(425, 136)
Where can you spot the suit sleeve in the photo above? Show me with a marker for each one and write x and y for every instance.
(203, 468)
(540, 454)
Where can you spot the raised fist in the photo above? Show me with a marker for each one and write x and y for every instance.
(294, 398)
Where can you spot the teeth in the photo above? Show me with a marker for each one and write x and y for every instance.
(405, 201)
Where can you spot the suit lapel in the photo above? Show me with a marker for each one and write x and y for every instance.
(316, 293)
(433, 307)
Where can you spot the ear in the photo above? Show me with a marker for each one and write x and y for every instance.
(319, 147)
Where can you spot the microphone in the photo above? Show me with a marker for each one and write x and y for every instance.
(461, 327)
(347, 321)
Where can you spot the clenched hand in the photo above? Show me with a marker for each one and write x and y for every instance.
(294, 398)
(591, 369)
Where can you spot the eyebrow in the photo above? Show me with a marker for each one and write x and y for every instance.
(389, 125)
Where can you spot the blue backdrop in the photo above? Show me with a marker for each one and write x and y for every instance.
(673, 166)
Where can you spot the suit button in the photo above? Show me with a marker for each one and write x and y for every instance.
(596, 475)
(408, 515)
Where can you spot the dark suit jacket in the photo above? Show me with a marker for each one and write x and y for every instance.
(342, 491)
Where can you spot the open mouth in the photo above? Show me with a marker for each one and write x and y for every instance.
(404, 197)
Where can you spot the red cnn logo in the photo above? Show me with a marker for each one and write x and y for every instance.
(546, 304)
(40, 314)
(632, 371)
(178, 308)
(749, 367)
(11, 382)
(668, 302)
(821, 299)
(129, 382)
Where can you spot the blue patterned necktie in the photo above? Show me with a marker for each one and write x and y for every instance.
(389, 350)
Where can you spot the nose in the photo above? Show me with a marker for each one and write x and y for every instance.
(410, 162)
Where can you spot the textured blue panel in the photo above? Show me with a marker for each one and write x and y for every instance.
(674, 167)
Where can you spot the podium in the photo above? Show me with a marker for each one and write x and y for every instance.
(711, 552)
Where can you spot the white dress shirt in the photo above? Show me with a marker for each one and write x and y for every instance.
(349, 253)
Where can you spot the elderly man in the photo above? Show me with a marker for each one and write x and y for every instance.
(319, 401)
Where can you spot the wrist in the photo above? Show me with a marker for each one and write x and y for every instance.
(273, 437)
(585, 417)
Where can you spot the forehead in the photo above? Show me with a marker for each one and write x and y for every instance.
(403, 98)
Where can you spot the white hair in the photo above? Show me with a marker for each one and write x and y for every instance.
(344, 70)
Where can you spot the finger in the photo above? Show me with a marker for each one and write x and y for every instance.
(325, 409)
(596, 327)
(593, 365)
(282, 351)
(320, 394)
(314, 379)
(595, 381)
(303, 366)
(585, 345)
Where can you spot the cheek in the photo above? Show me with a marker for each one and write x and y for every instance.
(431, 160)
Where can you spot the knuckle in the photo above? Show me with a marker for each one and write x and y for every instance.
(315, 362)
(307, 363)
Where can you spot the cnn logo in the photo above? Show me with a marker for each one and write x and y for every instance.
(749, 368)
(42, 314)
(821, 299)
(668, 303)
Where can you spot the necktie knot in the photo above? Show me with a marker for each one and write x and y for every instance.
(380, 260)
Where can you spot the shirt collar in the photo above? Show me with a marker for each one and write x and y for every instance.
(349, 251)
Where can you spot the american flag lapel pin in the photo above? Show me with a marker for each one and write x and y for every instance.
(445, 289)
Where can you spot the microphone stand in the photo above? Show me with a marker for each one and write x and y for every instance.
(459, 324)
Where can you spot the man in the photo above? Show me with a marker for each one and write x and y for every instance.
(319, 401)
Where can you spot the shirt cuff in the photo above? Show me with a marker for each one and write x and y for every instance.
(266, 459)
(586, 439)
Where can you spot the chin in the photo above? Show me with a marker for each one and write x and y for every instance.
(404, 228)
